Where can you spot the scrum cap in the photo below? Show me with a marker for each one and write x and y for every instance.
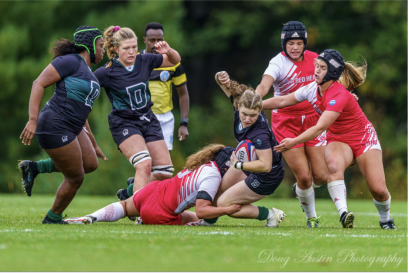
(335, 64)
(291, 31)
(86, 36)
(223, 159)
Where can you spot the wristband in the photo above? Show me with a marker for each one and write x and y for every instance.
(238, 165)
(183, 124)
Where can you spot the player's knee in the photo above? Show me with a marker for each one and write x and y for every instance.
(320, 178)
(304, 179)
(141, 161)
(91, 166)
(333, 167)
(380, 193)
(76, 180)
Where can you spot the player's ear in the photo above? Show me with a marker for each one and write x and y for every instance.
(116, 49)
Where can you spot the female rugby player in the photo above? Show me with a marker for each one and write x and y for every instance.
(351, 137)
(134, 127)
(249, 182)
(59, 126)
(165, 202)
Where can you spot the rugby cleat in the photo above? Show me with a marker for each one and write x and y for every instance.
(87, 220)
(138, 221)
(29, 172)
(347, 219)
(313, 222)
(122, 194)
(201, 222)
(47, 220)
(388, 224)
(276, 219)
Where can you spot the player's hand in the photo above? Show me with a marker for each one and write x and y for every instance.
(182, 133)
(233, 209)
(223, 77)
(162, 47)
(355, 96)
(100, 154)
(233, 158)
(28, 132)
(286, 144)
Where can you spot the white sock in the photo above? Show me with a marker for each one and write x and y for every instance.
(338, 193)
(110, 213)
(307, 199)
(383, 208)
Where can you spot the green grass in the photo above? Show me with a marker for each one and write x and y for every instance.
(232, 245)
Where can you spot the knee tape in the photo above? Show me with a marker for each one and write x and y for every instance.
(164, 169)
(139, 157)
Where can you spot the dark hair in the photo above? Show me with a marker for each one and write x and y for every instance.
(153, 25)
(64, 46)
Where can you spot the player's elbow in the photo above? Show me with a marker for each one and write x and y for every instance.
(201, 213)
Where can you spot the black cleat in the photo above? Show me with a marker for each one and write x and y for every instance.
(29, 172)
(51, 222)
(130, 180)
(347, 219)
(388, 224)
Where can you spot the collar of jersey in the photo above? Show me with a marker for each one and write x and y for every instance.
(116, 61)
(85, 62)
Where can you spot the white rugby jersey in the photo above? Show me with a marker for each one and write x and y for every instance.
(290, 76)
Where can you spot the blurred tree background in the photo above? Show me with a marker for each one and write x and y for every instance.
(239, 37)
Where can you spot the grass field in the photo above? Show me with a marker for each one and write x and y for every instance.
(232, 245)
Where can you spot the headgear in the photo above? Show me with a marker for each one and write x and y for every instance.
(335, 64)
(291, 31)
(86, 36)
(223, 159)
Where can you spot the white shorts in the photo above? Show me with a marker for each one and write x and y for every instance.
(167, 123)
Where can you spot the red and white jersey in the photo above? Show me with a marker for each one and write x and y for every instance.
(336, 98)
(290, 76)
(179, 193)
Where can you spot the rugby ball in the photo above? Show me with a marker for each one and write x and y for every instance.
(246, 151)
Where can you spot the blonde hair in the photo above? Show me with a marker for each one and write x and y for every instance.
(353, 75)
(203, 156)
(113, 40)
(244, 96)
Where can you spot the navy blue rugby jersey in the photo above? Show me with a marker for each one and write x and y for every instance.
(128, 88)
(259, 134)
(75, 93)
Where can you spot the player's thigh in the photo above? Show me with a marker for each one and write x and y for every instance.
(338, 157)
(297, 161)
(239, 194)
(188, 216)
(68, 159)
(230, 178)
(89, 156)
(159, 153)
(132, 145)
(371, 166)
(316, 157)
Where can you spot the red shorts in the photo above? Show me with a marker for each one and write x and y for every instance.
(360, 142)
(286, 126)
(147, 202)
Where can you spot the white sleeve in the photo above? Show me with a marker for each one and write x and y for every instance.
(305, 92)
(210, 180)
(274, 68)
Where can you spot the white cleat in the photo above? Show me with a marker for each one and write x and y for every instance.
(87, 220)
(139, 221)
(276, 219)
(199, 223)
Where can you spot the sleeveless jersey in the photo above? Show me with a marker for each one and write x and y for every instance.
(290, 76)
(75, 93)
(179, 193)
(336, 98)
(128, 88)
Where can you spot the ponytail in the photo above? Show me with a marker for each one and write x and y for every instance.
(203, 156)
(353, 75)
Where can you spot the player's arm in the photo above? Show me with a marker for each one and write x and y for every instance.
(265, 85)
(205, 210)
(280, 101)
(98, 151)
(48, 77)
(263, 164)
(222, 78)
(326, 119)
(170, 56)
(184, 110)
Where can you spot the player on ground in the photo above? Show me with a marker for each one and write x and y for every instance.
(135, 129)
(165, 202)
(249, 182)
(59, 126)
(351, 137)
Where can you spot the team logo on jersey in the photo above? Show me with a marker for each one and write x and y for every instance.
(255, 183)
(295, 35)
(258, 142)
(164, 75)
(125, 132)
(332, 102)
(64, 139)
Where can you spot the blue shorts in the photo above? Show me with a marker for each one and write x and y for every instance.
(265, 183)
(148, 127)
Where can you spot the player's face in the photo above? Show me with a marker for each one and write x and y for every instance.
(321, 70)
(295, 48)
(127, 51)
(248, 116)
(152, 37)
(99, 50)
